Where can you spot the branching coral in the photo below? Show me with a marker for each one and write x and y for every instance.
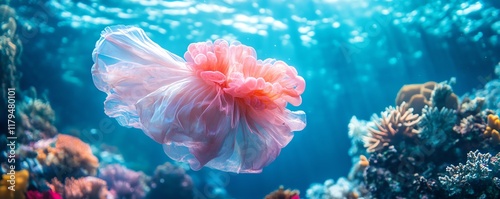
(281, 193)
(475, 178)
(87, 187)
(493, 128)
(123, 182)
(170, 181)
(69, 158)
(395, 122)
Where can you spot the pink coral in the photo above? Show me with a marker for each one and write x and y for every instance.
(123, 182)
(86, 187)
(43, 195)
(222, 108)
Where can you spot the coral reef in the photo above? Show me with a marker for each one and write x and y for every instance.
(281, 193)
(477, 178)
(395, 124)
(412, 156)
(86, 187)
(123, 182)
(69, 158)
(170, 181)
(10, 49)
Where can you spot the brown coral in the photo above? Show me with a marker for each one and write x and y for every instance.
(70, 154)
(281, 193)
(86, 187)
(417, 96)
(394, 122)
(493, 128)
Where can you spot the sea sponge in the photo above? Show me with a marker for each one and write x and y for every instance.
(493, 128)
(70, 157)
(21, 185)
(395, 122)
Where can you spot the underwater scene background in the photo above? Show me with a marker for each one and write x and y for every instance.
(441, 58)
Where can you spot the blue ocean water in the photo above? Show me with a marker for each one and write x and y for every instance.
(354, 55)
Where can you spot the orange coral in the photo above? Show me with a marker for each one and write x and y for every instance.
(418, 96)
(69, 154)
(21, 185)
(86, 187)
(493, 128)
(281, 193)
(394, 122)
(363, 161)
(359, 167)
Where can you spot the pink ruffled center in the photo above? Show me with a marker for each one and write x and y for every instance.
(235, 69)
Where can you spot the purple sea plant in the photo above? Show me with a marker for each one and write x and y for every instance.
(123, 182)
